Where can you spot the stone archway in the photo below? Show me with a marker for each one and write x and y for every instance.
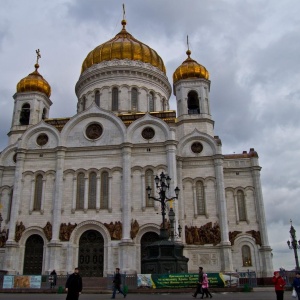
(147, 239)
(91, 254)
(33, 258)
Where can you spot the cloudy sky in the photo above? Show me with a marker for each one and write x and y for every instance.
(251, 49)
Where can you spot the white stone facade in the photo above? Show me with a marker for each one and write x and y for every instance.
(123, 152)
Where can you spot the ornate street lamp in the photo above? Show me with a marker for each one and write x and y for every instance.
(172, 220)
(163, 185)
(294, 245)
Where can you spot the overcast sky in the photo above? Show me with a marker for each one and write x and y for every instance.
(251, 49)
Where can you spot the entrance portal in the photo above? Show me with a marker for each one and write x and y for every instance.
(91, 252)
(33, 258)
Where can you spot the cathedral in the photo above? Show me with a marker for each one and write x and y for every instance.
(73, 190)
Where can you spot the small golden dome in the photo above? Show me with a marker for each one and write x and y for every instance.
(34, 82)
(123, 46)
(190, 69)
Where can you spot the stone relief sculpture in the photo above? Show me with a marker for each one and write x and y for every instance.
(48, 231)
(134, 228)
(115, 230)
(256, 236)
(66, 231)
(206, 234)
(19, 230)
(232, 236)
(3, 238)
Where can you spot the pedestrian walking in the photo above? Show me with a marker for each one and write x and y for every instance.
(53, 277)
(205, 286)
(74, 285)
(279, 285)
(199, 283)
(296, 284)
(117, 284)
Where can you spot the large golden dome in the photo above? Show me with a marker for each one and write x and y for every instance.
(123, 46)
(190, 69)
(34, 82)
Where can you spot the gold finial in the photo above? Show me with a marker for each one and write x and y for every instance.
(38, 56)
(188, 52)
(124, 17)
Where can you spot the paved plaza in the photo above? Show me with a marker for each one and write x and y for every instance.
(256, 295)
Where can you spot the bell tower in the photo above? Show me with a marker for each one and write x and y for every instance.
(32, 102)
(191, 86)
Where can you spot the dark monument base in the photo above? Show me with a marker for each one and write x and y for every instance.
(163, 257)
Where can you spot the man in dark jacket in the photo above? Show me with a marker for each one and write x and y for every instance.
(296, 284)
(74, 285)
(117, 284)
(199, 283)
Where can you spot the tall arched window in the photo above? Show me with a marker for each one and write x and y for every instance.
(97, 98)
(193, 103)
(241, 206)
(83, 103)
(246, 254)
(164, 104)
(200, 198)
(151, 101)
(25, 114)
(134, 99)
(80, 191)
(44, 113)
(92, 190)
(115, 99)
(38, 192)
(149, 181)
(10, 204)
(104, 190)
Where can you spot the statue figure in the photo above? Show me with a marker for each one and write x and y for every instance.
(20, 228)
(134, 229)
(48, 231)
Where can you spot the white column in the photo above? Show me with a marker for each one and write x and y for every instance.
(226, 256)
(74, 194)
(265, 250)
(86, 193)
(43, 195)
(98, 193)
(1, 174)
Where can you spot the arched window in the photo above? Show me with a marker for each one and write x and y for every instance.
(193, 103)
(149, 181)
(25, 114)
(246, 254)
(80, 191)
(104, 190)
(92, 190)
(134, 99)
(151, 102)
(200, 198)
(241, 206)
(38, 192)
(97, 98)
(83, 103)
(44, 113)
(115, 99)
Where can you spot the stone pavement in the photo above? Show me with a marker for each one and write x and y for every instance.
(257, 294)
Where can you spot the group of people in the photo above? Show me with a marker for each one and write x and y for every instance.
(74, 285)
(280, 283)
(202, 285)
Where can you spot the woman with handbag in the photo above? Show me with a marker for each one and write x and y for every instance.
(296, 285)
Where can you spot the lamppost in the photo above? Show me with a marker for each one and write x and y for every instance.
(163, 185)
(293, 244)
(172, 220)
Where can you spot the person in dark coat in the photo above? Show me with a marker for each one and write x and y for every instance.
(117, 284)
(199, 283)
(296, 284)
(279, 284)
(74, 285)
(53, 279)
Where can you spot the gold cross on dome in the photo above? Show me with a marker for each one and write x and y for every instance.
(38, 55)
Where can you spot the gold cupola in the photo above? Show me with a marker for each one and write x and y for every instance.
(123, 46)
(34, 82)
(190, 69)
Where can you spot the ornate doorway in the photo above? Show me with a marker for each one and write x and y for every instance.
(147, 239)
(90, 255)
(33, 258)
